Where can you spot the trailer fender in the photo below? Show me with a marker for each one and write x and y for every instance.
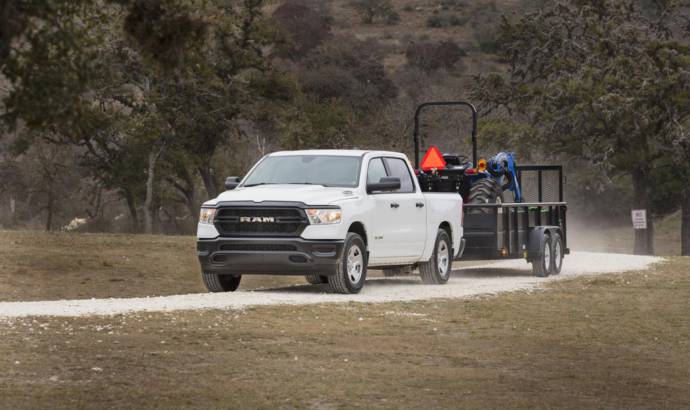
(534, 240)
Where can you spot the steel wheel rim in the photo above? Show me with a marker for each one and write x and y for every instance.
(557, 255)
(442, 258)
(355, 264)
(547, 255)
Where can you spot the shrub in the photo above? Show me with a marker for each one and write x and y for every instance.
(430, 56)
(485, 23)
(347, 69)
(445, 20)
(376, 10)
(453, 4)
(303, 27)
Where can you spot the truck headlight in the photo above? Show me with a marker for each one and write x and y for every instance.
(206, 215)
(324, 216)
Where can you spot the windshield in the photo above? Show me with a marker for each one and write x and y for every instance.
(326, 170)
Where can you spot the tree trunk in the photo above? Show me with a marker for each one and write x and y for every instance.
(132, 206)
(49, 219)
(209, 181)
(685, 223)
(188, 193)
(644, 238)
(150, 178)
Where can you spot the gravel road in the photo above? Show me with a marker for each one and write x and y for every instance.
(485, 279)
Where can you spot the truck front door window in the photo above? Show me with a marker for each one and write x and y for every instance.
(376, 170)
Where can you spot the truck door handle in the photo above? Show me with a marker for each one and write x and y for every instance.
(395, 205)
(419, 205)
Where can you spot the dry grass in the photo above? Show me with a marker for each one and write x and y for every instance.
(45, 266)
(606, 341)
(610, 341)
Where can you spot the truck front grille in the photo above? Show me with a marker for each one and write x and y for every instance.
(260, 221)
(266, 247)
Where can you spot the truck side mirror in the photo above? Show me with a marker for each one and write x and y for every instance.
(384, 184)
(231, 183)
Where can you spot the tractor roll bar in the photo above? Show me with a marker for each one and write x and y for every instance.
(444, 103)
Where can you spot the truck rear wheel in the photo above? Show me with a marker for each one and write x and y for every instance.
(352, 269)
(543, 265)
(316, 279)
(221, 283)
(437, 269)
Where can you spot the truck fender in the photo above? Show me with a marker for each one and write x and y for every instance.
(534, 240)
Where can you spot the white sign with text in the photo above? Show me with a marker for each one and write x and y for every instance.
(639, 218)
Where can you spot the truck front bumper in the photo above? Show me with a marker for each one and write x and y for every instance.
(275, 256)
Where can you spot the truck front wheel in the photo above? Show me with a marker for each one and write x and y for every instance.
(221, 283)
(437, 269)
(352, 269)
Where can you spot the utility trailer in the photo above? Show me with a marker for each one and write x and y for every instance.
(530, 225)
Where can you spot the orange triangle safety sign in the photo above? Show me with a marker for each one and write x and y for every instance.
(433, 159)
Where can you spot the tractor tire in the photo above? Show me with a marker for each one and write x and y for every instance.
(220, 283)
(557, 252)
(436, 270)
(352, 269)
(316, 279)
(485, 191)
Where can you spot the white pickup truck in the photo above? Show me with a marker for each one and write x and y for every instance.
(328, 215)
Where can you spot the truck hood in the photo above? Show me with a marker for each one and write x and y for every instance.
(308, 194)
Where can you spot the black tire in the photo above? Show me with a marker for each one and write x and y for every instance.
(557, 252)
(221, 283)
(431, 271)
(354, 254)
(316, 279)
(542, 266)
(485, 191)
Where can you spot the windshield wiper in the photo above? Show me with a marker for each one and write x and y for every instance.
(301, 183)
(258, 183)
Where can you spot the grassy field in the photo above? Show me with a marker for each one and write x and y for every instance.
(42, 266)
(602, 342)
(608, 341)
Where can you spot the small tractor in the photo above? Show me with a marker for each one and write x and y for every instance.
(478, 181)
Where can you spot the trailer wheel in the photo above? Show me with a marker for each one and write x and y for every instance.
(220, 283)
(485, 191)
(437, 269)
(316, 279)
(543, 264)
(352, 269)
(557, 252)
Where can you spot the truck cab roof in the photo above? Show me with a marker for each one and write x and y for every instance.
(336, 152)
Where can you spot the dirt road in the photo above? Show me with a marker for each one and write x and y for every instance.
(485, 279)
